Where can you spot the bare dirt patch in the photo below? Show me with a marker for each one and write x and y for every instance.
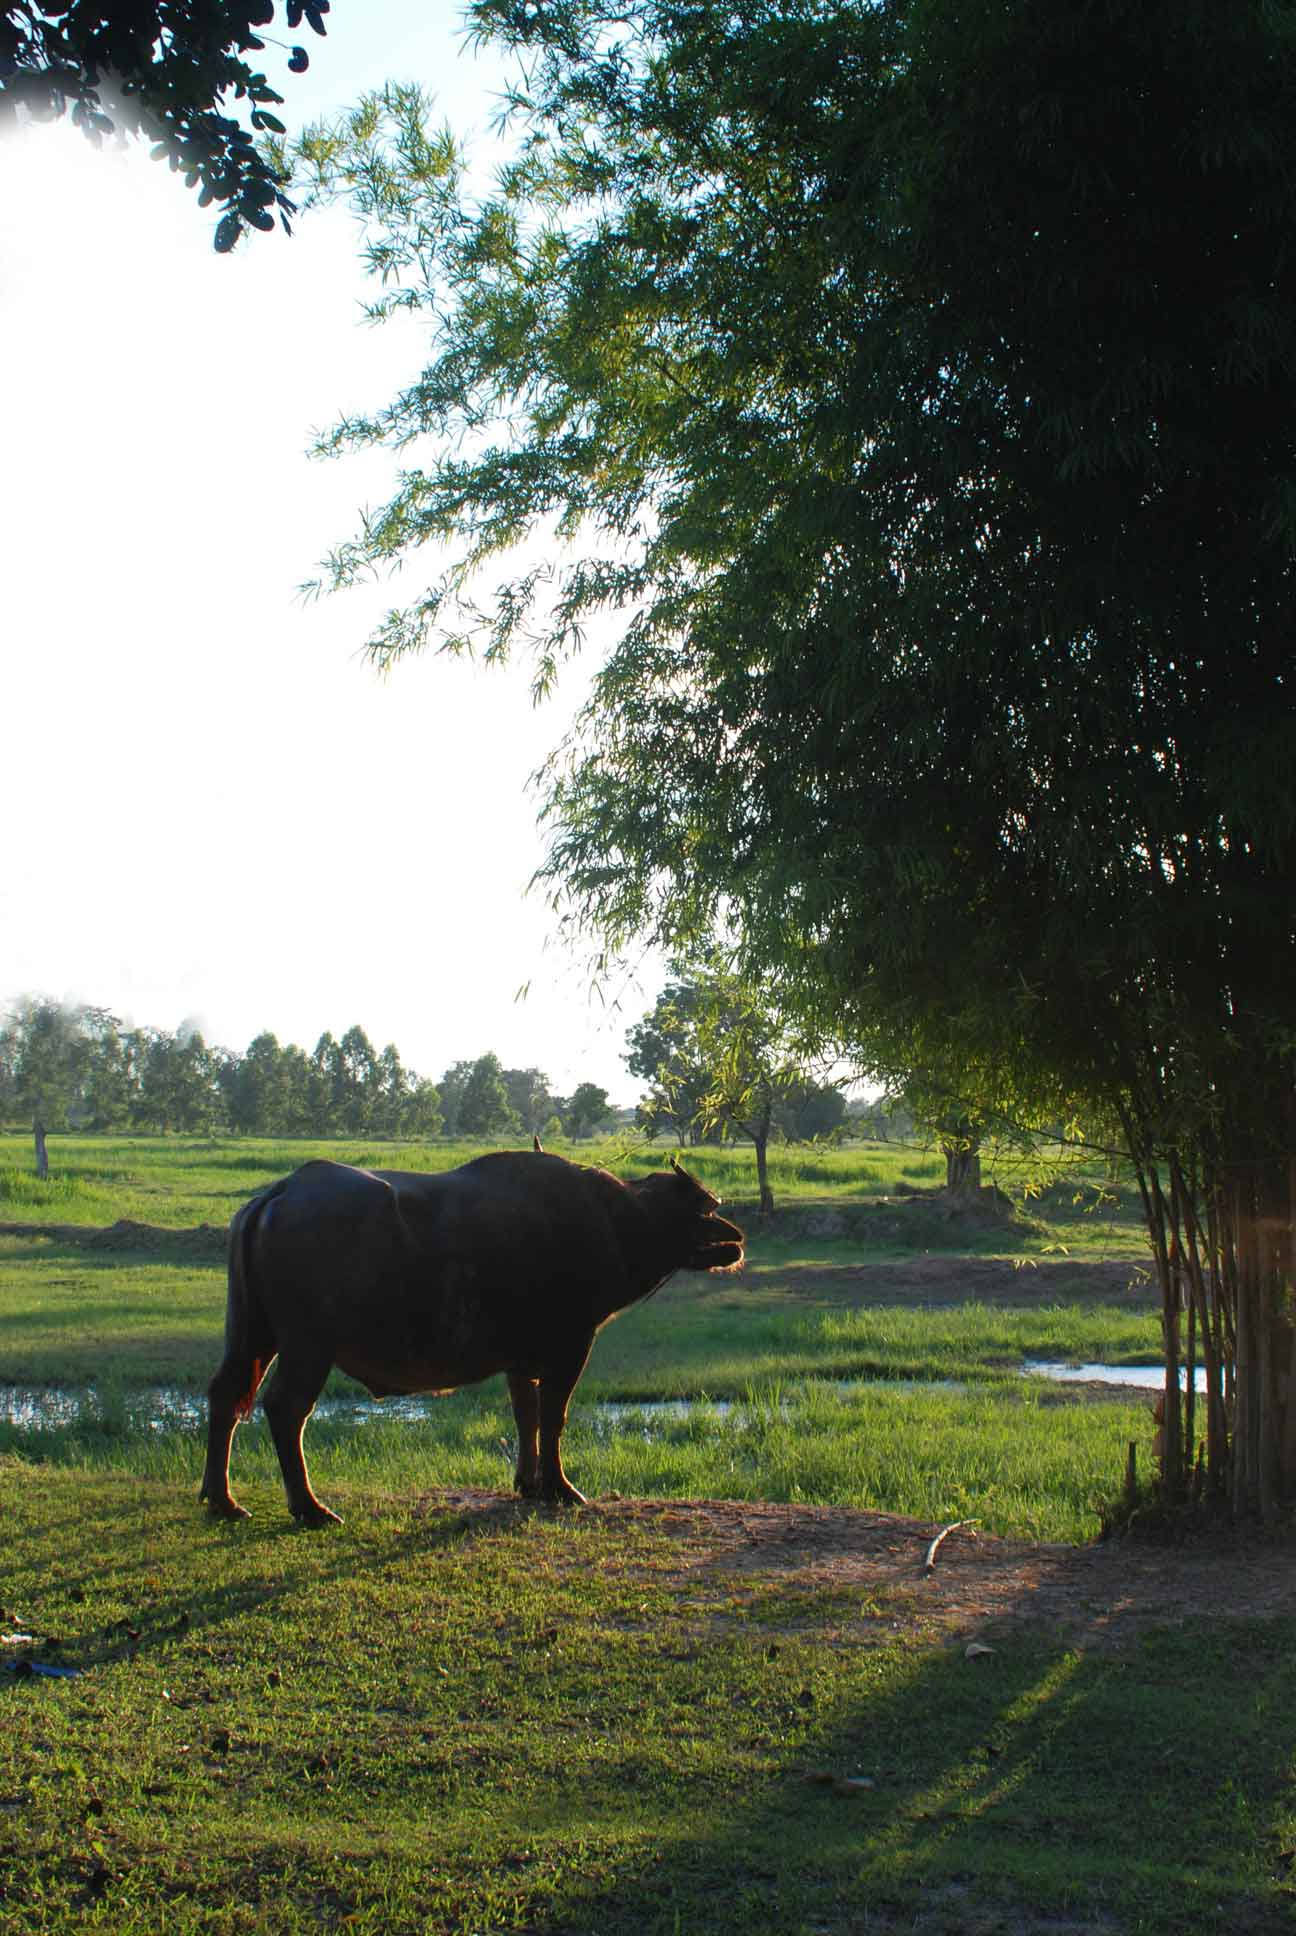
(945, 1279)
(979, 1588)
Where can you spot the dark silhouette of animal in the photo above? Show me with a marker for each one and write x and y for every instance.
(418, 1283)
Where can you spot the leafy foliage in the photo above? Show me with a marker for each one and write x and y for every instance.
(918, 385)
(721, 1062)
(162, 68)
(485, 1109)
(587, 1107)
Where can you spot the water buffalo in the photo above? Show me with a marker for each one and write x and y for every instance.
(415, 1283)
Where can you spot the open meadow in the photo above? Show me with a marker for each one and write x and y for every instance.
(729, 1691)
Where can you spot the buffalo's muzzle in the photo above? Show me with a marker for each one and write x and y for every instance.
(719, 1246)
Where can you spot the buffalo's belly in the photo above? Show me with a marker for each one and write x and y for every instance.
(393, 1378)
(398, 1335)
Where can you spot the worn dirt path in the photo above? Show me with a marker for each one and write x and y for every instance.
(979, 1588)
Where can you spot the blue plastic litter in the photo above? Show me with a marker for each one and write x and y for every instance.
(43, 1667)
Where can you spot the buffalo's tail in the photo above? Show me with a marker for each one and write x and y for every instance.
(249, 1343)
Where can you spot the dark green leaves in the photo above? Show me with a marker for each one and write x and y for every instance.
(911, 389)
(297, 10)
(174, 67)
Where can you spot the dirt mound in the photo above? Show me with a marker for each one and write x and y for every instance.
(198, 1240)
(910, 1220)
(204, 1239)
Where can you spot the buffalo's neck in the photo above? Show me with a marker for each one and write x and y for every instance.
(650, 1259)
(633, 1291)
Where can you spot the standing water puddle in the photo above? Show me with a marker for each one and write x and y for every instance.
(164, 1408)
(1146, 1377)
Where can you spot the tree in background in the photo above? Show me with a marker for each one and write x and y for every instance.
(256, 1086)
(404, 1104)
(718, 1061)
(727, 1065)
(110, 1074)
(484, 1107)
(321, 1087)
(387, 1109)
(421, 1117)
(663, 1054)
(354, 1076)
(177, 1087)
(162, 68)
(452, 1086)
(959, 1126)
(585, 1109)
(919, 382)
(530, 1097)
(297, 1075)
(44, 1049)
(808, 1111)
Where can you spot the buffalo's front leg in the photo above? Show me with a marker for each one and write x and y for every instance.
(289, 1401)
(556, 1388)
(525, 1393)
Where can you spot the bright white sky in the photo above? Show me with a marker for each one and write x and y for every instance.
(214, 808)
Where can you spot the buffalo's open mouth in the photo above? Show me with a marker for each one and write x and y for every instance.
(719, 1247)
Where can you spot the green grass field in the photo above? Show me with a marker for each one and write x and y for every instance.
(182, 1181)
(839, 1395)
(489, 1718)
(463, 1720)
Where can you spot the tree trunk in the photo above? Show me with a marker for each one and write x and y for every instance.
(42, 1155)
(762, 1170)
(963, 1169)
(1223, 1237)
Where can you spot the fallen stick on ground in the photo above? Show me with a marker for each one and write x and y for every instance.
(929, 1564)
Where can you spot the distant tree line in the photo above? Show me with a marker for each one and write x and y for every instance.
(80, 1067)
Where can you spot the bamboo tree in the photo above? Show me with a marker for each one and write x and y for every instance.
(926, 439)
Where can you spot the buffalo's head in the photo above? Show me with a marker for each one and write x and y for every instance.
(685, 1212)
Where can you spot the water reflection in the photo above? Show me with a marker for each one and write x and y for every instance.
(1145, 1377)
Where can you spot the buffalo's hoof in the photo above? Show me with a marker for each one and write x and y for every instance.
(227, 1509)
(316, 1515)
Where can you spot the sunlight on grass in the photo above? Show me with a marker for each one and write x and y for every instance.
(469, 1718)
(1020, 1463)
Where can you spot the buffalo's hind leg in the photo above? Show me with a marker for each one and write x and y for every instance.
(289, 1401)
(556, 1388)
(229, 1398)
(525, 1393)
